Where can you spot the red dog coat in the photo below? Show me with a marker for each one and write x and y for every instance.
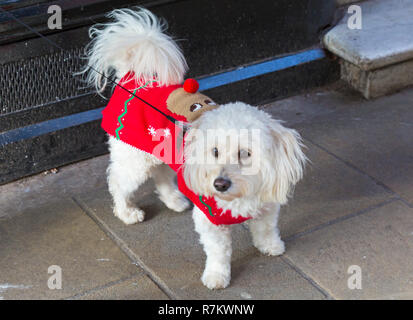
(134, 122)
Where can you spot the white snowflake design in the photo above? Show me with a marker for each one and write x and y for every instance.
(166, 132)
(152, 131)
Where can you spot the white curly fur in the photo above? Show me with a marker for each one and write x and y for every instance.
(135, 42)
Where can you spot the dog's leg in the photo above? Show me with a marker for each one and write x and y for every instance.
(216, 241)
(128, 169)
(265, 233)
(167, 189)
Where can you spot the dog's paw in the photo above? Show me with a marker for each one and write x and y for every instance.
(272, 248)
(131, 216)
(176, 201)
(215, 280)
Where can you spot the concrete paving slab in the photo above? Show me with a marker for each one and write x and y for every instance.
(57, 234)
(329, 190)
(380, 242)
(263, 277)
(384, 39)
(255, 276)
(139, 287)
(308, 107)
(375, 137)
(38, 190)
(166, 245)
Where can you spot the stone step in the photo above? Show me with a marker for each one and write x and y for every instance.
(378, 58)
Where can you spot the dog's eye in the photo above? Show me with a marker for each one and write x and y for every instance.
(195, 107)
(244, 154)
(215, 152)
(210, 102)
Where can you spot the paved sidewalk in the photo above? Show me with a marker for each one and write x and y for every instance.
(354, 207)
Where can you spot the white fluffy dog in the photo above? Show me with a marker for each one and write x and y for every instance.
(135, 41)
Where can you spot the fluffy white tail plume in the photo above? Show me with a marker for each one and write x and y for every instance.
(133, 41)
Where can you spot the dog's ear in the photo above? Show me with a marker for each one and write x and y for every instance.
(287, 165)
(191, 166)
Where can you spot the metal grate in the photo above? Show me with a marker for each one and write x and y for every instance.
(37, 81)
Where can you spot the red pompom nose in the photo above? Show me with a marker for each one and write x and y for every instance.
(191, 85)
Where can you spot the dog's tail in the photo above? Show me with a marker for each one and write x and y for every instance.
(133, 41)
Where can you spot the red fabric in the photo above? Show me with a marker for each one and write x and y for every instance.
(132, 121)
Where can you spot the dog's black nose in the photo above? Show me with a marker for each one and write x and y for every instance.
(222, 184)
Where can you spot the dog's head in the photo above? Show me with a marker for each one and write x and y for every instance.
(238, 151)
